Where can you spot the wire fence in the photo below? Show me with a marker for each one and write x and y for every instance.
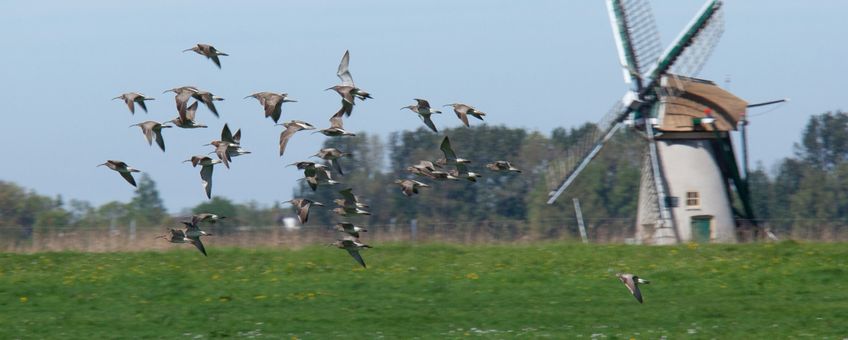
(608, 230)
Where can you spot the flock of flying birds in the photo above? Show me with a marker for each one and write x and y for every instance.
(315, 174)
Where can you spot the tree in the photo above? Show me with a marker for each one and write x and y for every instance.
(146, 206)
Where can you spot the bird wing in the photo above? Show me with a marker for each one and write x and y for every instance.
(189, 112)
(221, 151)
(349, 197)
(463, 117)
(313, 182)
(355, 254)
(303, 212)
(273, 107)
(336, 119)
(344, 72)
(130, 104)
(159, 140)
(215, 59)
(335, 163)
(429, 123)
(631, 286)
(206, 178)
(461, 169)
(286, 135)
(423, 105)
(198, 217)
(447, 149)
(142, 105)
(637, 293)
(128, 176)
(182, 99)
(226, 135)
(197, 243)
(207, 99)
(147, 130)
(237, 136)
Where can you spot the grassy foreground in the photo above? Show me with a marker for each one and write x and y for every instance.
(430, 291)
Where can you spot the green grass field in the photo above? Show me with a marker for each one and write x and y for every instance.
(430, 291)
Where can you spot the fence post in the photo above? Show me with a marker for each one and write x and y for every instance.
(580, 224)
(413, 229)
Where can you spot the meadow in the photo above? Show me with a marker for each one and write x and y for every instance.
(558, 290)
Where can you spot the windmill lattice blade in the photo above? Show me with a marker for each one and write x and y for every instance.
(700, 47)
(561, 172)
(636, 34)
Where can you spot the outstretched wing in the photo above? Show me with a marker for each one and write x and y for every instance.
(303, 212)
(447, 149)
(189, 112)
(344, 72)
(128, 176)
(349, 197)
(357, 257)
(215, 59)
(142, 105)
(336, 119)
(206, 178)
(429, 123)
(196, 242)
(159, 140)
(286, 135)
(226, 134)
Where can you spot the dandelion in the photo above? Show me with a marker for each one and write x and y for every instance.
(472, 276)
(24, 299)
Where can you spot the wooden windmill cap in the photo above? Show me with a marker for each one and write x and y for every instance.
(692, 100)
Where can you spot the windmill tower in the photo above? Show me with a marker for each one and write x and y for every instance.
(689, 174)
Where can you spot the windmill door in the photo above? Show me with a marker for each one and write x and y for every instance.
(701, 228)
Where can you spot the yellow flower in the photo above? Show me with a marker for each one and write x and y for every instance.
(24, 299)
(472, 276)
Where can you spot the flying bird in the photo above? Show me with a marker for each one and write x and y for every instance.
(272, 102)
(450, 155)
(208, 51)
(462, 111)
(292, 127)
(410, 187)
(302, 205)
(228, 146)
(206, 217)
(350, 229)
(152, 129)
(186, 120)
(184, 93)
(353, 246)
(632, 282)
(347, 89)
(206, 166)
(132, 98)
(123, 169)
(336, 125)
(191, 234)
(332, 156)
(350, 205)
(424, 111)
(502, 166)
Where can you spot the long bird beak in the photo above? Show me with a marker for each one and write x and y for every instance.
(186, 50)
(248, 96)
(118, 97)
(446, 105)
(327, 89)
(171, 90)
(207, 144)
(100, 164)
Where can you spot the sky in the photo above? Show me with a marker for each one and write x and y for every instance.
(531, 64)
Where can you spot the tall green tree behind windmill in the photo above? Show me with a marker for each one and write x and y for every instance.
(689, 173)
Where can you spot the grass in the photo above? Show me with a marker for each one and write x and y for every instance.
(430, 291)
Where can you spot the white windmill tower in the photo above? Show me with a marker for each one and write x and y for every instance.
(690, 172)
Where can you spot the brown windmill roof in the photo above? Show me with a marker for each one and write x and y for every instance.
(694, 98)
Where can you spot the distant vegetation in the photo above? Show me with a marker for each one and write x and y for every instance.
(802, 194)
(559, 291)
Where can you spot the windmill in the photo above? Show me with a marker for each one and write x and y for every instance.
(689, 173)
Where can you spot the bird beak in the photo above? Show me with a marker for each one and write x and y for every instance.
(327, 89)
(446, 105)
(171, 90)
(100, 164)
(186, 50)
(118, 97)
(318, 204)
(187, 160)
(248, 96)
(208, 144)
(290, 100)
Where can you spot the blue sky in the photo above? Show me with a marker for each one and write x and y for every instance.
(531, 64)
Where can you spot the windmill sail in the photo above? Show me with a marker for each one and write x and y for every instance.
(636, 37)
(566, 168)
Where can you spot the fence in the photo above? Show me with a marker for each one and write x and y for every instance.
(611, 230)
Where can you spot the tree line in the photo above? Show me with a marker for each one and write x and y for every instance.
(810, 185)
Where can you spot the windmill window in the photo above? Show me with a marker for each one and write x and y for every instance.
(693, 199)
